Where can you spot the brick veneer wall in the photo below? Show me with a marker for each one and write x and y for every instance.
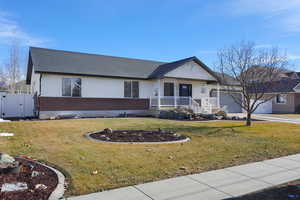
(80, 103)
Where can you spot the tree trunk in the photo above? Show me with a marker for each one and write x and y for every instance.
(248, 123)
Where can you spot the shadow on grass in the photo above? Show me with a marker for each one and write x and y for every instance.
(284, 192)
(201, 130)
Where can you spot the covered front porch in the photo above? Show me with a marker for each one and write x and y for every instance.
(171, 93)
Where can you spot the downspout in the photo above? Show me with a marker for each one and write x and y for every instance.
(218, 96)
(158, 95)
(40, 92)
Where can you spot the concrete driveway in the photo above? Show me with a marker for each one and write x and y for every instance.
(278, 118)
(294, 119)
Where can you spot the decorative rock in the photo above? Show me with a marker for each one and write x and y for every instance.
(12, 187)
(8, 164)
(40, 187)
(108, 131)
(35, 174)
(170, 157)
(177, 135)
(5, 158)
(219, 117)
(183, 168)
(95, 172)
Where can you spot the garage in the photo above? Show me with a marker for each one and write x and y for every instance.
(264, 108)
(227, 100)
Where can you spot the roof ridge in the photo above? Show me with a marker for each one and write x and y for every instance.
(94, 54)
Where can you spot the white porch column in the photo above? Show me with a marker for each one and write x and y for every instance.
(175, 93)
(218, 95)
(158, 94)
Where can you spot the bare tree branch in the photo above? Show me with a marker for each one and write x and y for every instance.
(251, 73)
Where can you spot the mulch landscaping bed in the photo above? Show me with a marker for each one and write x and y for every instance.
(137, 136)
(46, 177)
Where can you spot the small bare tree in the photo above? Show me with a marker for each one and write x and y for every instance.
(13, 67)
(253, 70)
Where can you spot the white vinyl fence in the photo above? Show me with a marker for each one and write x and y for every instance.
(16, 105)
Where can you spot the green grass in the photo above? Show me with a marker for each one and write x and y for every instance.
(214, 145)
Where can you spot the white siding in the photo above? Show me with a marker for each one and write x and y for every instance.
(35, 82)
(190, 70)
(93, 86)
(196, 87)
(114, 88)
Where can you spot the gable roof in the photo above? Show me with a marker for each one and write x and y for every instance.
(67, 62)
(163, 69)
(281, 86)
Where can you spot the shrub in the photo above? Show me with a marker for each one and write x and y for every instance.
(222, 113)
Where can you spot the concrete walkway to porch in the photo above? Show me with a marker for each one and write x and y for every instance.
(212, 185)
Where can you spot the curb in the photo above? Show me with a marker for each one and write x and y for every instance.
(59, 191)
(170, 142)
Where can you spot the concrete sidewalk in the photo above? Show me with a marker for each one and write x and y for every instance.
(212, 185)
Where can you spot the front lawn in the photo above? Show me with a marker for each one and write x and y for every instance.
(214, 145)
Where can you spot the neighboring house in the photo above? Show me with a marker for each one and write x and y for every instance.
(95, 85)
(286, 94)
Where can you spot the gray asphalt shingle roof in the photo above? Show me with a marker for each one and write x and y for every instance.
(282, 86)
(48, 60)
(66, 62)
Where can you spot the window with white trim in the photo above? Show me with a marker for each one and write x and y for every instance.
(71, 87)
(168, 89)
(281, 99)
(131, 89)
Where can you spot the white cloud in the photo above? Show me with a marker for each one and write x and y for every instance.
(283, 12)
(11, 30)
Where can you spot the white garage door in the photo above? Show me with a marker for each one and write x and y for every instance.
(264, 108)
(227, 100)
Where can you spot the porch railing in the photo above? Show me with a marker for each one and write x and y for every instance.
(206, 106)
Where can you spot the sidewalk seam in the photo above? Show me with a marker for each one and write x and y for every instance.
(210, 186)
(142, 192)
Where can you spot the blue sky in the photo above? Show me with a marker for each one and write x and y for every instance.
(163, 30)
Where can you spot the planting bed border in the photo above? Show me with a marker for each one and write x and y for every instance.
(59, 190)
(109, 142)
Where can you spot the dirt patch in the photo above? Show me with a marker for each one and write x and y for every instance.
(137, 136)
(35, 183)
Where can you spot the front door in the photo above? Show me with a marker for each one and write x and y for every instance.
(185, 90)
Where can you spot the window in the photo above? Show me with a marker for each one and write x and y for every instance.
(131, 89)
(71, 87)
(281, 99)
(168, 89)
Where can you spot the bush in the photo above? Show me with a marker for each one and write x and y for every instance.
(222, 113)
(178, 113)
